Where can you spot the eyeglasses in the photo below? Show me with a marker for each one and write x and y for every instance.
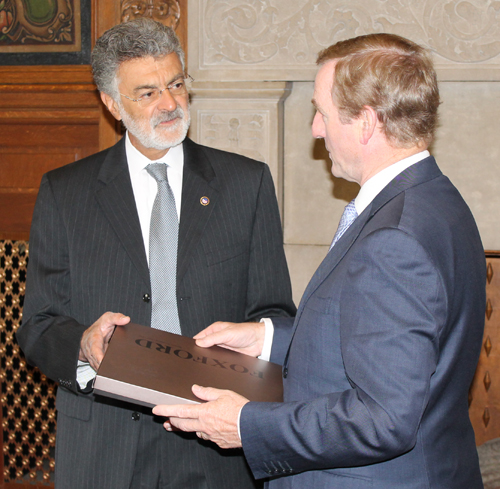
(152, 95)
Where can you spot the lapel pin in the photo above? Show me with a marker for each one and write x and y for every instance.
(204, 201)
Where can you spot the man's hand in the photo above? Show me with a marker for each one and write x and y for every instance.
(247, 338)
(216, 420)
(95, 339)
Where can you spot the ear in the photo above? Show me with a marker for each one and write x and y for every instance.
(112, 106)
(369, 121)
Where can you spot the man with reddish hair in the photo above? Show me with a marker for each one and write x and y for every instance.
(378, 361)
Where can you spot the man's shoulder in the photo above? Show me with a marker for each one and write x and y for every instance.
(88, 165)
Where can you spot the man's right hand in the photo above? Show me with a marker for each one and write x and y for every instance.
(247, 338)
(95, 339)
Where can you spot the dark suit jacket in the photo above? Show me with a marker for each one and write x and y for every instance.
(382, 352)
(87, 257)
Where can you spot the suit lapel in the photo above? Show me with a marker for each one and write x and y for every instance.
(116, 198)
(335, 255)
(199, 198)
(416, 174)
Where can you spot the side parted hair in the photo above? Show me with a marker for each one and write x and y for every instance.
(392, 75)
(138, 38)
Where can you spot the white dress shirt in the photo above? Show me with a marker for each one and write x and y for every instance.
(145, 188)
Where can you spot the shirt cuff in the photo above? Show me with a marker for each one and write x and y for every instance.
(84, 374)
(238, 423)
(268, 339)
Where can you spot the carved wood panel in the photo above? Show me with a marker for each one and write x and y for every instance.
(484, 395)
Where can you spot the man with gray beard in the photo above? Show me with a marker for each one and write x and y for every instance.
(91, 252)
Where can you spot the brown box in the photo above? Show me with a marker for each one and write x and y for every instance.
(147, 366)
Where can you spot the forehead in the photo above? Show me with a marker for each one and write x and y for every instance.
(323, 84)
(149, 71)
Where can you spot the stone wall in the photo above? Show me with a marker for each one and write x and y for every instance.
(254, 66)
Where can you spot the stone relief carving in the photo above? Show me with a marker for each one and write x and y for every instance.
(168, 12)
(280, 32)
(243, 133)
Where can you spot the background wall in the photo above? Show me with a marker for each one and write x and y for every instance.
(255, 44)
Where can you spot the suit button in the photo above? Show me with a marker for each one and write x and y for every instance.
(136, 416)
(285, 373)
(146, 297)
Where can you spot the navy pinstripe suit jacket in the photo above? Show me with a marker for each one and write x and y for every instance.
(87, 257)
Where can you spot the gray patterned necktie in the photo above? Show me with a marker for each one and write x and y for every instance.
(348, 217)
(163, 237)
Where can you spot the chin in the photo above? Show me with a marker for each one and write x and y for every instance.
(172, 136)
(171, 140)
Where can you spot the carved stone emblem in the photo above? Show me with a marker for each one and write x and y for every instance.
(242, 132)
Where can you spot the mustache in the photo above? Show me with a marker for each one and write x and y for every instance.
(166, 116)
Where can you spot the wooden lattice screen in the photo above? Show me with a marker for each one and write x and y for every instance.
(27, 396)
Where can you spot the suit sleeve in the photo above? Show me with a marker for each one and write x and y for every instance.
(269, 291)
(392, 308)
(283, 328)
(48, 336)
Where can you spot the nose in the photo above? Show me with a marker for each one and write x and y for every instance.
(167, 101)
(318, 126)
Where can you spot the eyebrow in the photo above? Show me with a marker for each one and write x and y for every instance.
(316, 106)
(148, 87)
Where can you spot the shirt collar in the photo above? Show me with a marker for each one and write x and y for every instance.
(375, 184)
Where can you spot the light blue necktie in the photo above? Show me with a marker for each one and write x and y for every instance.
(348, 217)
(163, 237)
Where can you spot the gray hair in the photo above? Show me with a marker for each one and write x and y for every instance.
(135, 39)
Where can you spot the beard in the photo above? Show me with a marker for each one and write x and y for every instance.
(150, 135)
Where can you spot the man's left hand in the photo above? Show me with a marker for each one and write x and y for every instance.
(216, 420)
